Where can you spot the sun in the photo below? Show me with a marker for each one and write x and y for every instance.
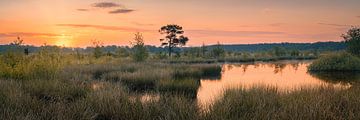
(63, 40)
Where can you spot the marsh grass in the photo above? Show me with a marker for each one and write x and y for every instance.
(181, 72)
(45, 65)
(185, 87)
(19, 100)
(263, 103)
(48, 86)
(209, 70)
(54, 90)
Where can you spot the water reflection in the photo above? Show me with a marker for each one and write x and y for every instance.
(284, 75)
(337, 77)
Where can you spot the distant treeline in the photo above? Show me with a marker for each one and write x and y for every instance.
(319, 46)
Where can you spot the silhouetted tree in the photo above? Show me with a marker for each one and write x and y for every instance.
(140, 52)
(174, 37)
(17, 42)
(352, 39)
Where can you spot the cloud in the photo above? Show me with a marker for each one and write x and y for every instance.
(358, 16)
(267, 11)
(277, 24)
(121, 10)
(82, 9)
(322, 36)
(142, 24)
(231, 33)
(103, 27)
(22, 34)
(336, 25)
(106, 5)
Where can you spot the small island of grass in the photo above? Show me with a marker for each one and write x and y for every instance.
(336, 62)
(346, 61)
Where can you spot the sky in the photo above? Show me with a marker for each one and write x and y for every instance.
(78, 23)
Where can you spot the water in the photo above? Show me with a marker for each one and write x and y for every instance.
(284, 75)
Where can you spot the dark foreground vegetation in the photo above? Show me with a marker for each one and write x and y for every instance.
(53, 85)
(138, 84)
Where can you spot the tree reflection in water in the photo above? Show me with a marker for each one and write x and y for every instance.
(285, 76)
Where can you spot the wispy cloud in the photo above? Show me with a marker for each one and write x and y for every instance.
(358, 16)
(231, 33)
(321, 36)
(82, 9)
(104, 27)
(336, 25)
(26, 34)
(121, 10)
(277, 24)
(117, 8)
(142, 24)
(106, 5)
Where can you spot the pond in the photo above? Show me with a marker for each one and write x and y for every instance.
(286, 76)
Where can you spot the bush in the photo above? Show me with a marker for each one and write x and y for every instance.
(140, 52)
(336, 62)
(352, 39)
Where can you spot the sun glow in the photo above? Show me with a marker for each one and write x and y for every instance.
(63, 40)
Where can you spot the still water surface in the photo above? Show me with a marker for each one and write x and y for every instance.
(286, 76)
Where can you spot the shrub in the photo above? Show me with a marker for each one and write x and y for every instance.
(336, 62)
(140, 52)
(218, 51)
(352, 39)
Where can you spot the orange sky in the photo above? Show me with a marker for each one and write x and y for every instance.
(79, 22)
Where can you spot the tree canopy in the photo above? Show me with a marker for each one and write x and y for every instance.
(352, 39)
(174, 36)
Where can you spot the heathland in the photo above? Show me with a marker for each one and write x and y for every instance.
(51, 83)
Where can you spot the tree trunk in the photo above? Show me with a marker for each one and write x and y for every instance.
(170, 48)
(169, 51)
